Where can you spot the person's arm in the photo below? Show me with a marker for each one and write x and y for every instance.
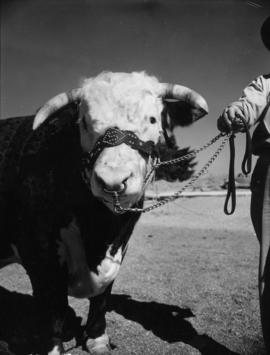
(249, 106)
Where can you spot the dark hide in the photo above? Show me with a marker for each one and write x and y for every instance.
(41, 191)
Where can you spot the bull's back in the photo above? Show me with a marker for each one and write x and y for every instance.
(13, 135)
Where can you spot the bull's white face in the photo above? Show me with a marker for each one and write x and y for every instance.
(128, 102)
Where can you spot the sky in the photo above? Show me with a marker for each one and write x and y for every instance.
(211, 46)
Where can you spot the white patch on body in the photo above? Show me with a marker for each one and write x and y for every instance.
(84, 283)
(55, 351)
(100, 345)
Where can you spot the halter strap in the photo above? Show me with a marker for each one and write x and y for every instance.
(114, 137)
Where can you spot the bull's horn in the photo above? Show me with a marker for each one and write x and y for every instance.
(183, 93)
(55, 104)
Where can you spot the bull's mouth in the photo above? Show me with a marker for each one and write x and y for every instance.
(126, 201)
(106, 196)
(128, 191)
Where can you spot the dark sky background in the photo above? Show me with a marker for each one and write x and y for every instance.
(213, 47)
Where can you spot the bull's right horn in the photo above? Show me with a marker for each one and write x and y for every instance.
(55, 104)
(199, 106)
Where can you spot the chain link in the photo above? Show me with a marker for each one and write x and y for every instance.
(119, 209)
(186, 156)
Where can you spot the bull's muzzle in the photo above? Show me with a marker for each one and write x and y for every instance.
(112, 181)
(117, 164)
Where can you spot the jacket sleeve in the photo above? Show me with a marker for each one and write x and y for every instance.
(254, 99)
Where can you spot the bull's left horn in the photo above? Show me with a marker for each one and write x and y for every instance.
(183, 93)
(55, 104)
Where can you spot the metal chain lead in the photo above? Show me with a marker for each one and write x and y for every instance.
(119, 209)
(186, 156)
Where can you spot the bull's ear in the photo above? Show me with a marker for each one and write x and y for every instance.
(166, 128)
(182, 113)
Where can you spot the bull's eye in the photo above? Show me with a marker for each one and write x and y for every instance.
(153, 120)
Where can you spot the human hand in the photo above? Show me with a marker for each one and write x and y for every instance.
(231, 120)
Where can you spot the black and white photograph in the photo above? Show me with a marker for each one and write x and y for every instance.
(134, 177)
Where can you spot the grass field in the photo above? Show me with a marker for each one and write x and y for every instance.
(188, 285)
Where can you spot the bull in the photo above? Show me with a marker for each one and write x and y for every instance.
(59, 170)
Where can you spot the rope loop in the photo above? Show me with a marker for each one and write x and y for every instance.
(231, 191)
(247, 160)
(246, 167)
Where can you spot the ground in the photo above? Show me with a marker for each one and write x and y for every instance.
(188, 286)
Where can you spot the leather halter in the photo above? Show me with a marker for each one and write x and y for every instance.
(113, 137)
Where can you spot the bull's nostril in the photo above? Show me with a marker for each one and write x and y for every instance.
(100, 181)
(124, 182)
(109, 184)
(120, 188)
(124, 185)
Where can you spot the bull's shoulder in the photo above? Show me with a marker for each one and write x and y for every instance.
(54, 140)
(49, 164)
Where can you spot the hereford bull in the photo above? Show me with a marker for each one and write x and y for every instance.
(58, 173)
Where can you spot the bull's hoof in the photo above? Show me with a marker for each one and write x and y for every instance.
(99, 346)
(4, 350)
(56, 347)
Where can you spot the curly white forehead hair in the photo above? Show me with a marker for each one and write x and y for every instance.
(119, 89)
(110, 95)
(122, 83)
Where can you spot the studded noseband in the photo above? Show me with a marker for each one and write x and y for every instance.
(113, 137)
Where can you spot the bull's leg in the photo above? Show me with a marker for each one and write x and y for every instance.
(49, 285)
(96, 338)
